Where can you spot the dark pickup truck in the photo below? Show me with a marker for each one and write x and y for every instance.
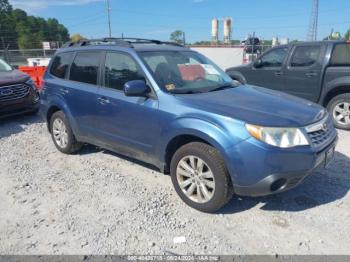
(317, 71)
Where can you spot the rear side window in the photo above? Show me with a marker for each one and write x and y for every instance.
(305, 56)
(61, 64)
(341, 55)
(85, 67)
(119, 69)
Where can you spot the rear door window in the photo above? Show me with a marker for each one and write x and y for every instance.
(85, 67)
(341, 55)
(60, 65)
(305, 56)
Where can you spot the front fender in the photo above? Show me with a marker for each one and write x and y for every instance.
(219, 136)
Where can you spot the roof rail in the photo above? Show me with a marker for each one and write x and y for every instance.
(128, 42)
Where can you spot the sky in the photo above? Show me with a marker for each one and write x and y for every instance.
(156, 19)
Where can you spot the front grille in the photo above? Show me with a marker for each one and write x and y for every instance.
(321, 132)
(13, 92)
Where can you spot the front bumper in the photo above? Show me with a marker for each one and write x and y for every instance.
(259, 170)
(25, 105)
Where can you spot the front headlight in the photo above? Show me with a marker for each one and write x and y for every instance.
(278, 136)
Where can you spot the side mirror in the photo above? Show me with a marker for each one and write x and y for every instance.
(136, 88)
(258, 63)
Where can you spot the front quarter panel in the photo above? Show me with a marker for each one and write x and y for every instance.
(220, 134)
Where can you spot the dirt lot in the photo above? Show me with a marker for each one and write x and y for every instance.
(98, 203)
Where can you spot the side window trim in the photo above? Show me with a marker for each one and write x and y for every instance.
(103, 75)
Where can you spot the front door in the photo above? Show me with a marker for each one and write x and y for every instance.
(268, 70)
(129, 124)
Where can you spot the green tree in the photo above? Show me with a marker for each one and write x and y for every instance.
(5, 6)
(177, 36)
(347, 35)
(18, 30)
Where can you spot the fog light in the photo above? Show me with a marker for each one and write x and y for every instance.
(278, 185)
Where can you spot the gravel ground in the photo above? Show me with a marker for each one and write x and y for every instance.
(98, 203)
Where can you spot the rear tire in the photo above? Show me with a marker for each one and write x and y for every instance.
(200, 177)
(62, 134)
(339, 109)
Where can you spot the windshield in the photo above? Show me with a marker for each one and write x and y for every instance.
(4, 67)
(185, 72)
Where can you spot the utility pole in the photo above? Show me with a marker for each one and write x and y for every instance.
(109, 18)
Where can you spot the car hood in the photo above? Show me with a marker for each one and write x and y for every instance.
(245, 66)
(257, 105)
(12, 77)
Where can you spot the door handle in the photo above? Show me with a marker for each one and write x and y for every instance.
(103, 100)
(64, 91)
(278, 73)
(311, 74)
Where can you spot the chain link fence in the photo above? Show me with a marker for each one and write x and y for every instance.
(19, 57)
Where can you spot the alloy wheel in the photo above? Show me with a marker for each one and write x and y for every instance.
(60, 133)
(195, 179)
(341, 113)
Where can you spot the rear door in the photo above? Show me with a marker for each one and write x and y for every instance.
(269, 71)
(81, 91)
(303, 74)
(129, 124)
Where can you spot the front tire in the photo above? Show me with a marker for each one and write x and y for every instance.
(62, 134)
(200, 177)
(339, 108)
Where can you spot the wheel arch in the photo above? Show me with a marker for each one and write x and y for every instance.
(335, 91)
(187, 130)
(57, 104)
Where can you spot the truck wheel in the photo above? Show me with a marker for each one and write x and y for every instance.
(339, 108)
(62, 134)
(200, 177)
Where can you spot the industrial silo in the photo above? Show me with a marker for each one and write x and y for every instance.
(227, 30)
(214, 30)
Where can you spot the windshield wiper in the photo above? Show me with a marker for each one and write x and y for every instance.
(184, 92)
(221, 87)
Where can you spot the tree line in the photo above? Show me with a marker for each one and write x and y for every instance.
(18, 30)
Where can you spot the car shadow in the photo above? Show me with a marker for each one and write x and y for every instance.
(15, 124)
(322, 187)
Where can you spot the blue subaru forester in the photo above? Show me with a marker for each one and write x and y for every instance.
(172, 107)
